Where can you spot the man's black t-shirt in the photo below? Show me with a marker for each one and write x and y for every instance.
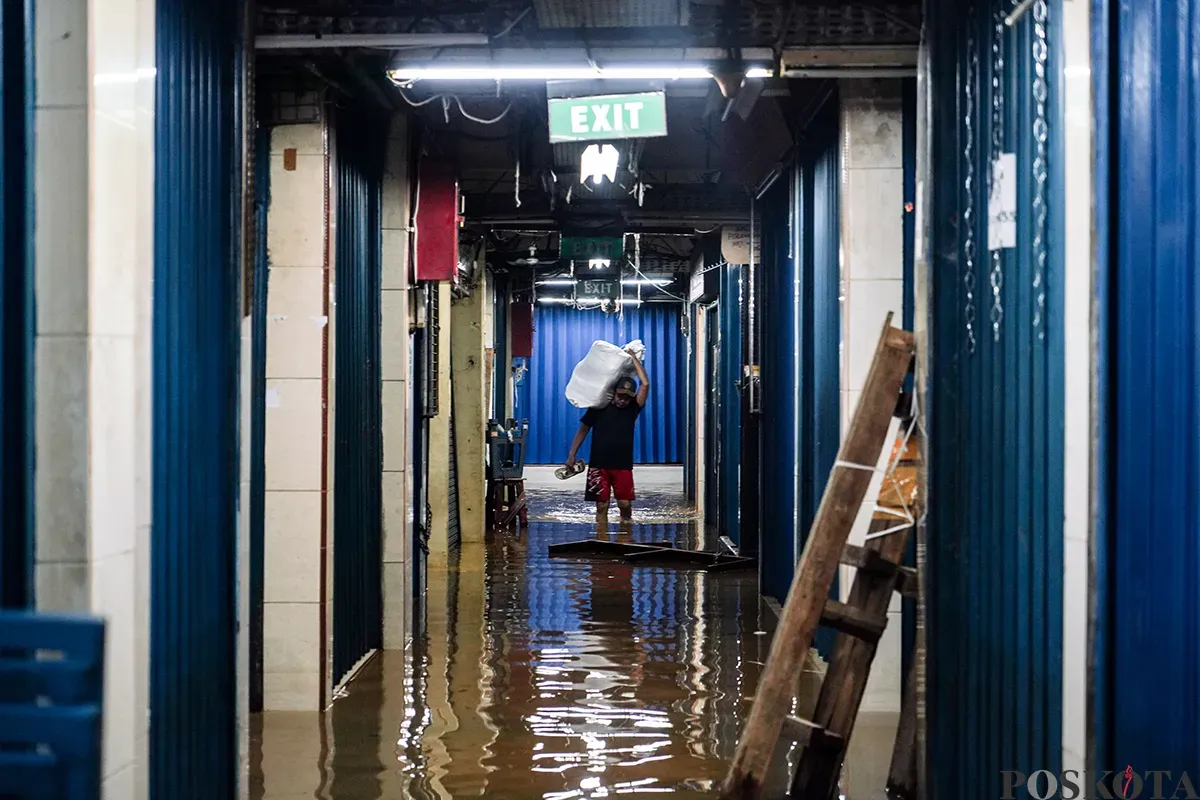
(612, 435)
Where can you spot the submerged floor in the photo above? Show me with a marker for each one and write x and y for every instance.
(540, 677)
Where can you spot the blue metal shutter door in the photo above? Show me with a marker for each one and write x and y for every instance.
(563, 337)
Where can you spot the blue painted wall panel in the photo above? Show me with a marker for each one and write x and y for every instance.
(1150, 656)
(778, 371)
(801, 429)
(995, 407)
(563, 336)
(729, 400)
(196, 341)
(258, 410)
(16, 307)
(358, 423)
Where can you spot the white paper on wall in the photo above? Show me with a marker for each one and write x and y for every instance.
(1002, 203)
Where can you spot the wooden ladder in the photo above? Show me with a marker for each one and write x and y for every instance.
(860, 621)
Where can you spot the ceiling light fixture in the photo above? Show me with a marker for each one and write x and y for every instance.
(557, 282)
(551, 72)
(598, 161)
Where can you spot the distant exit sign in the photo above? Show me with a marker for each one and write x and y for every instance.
(583, 248)
(598, 289)
(616, 116)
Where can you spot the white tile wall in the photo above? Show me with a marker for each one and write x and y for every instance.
(291, 633)
(292, 547)
(872, 206)
(396, 364)
(113, 492)
(61, 491)
(293, 451)
(296, 334)
(93, 173)
(295, 322)
(61, 211)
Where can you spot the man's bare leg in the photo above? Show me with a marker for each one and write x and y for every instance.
(626, 507)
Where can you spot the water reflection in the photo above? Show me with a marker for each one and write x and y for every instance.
(539, 677)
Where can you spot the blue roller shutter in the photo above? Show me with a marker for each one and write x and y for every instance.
(563, 336)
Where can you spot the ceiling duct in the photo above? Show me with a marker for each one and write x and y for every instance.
(611, 13)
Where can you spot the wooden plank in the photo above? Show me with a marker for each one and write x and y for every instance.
(902, 776)
(854, 621)
(809, 734)
(849, 666)
(844, 495)
(862, 558)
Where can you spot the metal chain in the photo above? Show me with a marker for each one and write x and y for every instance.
(1041, 131)
(996, 279)
(968, 216)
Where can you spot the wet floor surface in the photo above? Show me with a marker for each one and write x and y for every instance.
(541, 677)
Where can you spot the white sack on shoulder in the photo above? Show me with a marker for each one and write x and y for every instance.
(594, 377)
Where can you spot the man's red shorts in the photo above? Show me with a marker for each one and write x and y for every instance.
(603, 484)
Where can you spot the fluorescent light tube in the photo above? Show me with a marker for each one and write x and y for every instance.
(646, 282)
(557, 282)
(548, 72)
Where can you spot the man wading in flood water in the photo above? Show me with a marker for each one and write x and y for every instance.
(610, 469)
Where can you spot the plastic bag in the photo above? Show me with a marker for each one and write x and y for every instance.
(593, 378)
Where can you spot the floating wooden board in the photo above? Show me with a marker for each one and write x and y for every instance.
(653, 555)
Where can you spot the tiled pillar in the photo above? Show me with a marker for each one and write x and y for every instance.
(439, 441)
(470, 317)
(296, 321)
(395, 349)
(93, 181)
(872, 230)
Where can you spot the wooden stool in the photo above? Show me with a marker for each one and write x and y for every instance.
(506, 502)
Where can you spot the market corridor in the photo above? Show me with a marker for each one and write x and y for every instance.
(547, 677)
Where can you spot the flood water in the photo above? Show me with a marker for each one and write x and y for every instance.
(540, 677)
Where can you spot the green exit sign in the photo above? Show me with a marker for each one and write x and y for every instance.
(606, 289)
(584, 248)
(616, 116)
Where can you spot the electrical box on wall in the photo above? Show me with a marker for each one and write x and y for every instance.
(520, 321)
(437, 221)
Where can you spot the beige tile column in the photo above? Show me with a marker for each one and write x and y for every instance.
(296, 321)
(872, 248)
(93, 183)
(395, 349)
(469, 319)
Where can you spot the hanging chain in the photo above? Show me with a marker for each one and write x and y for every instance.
(996, 279)
(1041, 133)
(968, 216)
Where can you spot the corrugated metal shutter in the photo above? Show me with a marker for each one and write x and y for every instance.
(500, 366)
(258, 410)
(996, 403)
(16, 308)
(196, 340)
(801, 344)
(358, 429)
(1149, 690)
(562, 338)
(453, 519)
(729, 398)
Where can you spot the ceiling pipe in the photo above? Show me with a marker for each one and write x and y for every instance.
(381, 40)
(854, 72)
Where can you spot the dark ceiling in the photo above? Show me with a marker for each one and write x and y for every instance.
(741, 23)
(513, 179)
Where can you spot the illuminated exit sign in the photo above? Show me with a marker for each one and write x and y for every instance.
(616, 116)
